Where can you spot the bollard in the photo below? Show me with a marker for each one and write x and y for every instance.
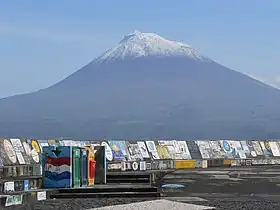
(91, 165)
(84, 167)
(76, 166)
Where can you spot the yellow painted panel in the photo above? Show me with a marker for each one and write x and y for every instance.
(181, 164)
(227, 162)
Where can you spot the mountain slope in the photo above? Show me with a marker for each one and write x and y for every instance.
(147, 86)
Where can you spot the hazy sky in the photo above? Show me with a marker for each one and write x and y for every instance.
(44, 41)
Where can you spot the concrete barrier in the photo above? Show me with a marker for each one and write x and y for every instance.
(21, 159)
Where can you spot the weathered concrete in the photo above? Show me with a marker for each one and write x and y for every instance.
(251, 188)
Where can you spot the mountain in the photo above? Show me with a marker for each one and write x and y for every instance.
(147, 87)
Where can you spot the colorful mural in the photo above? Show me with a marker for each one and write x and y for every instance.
(134, 151)
(57, 167)
(152, 149)
(22, 152)
(205, 149)
(119, 150)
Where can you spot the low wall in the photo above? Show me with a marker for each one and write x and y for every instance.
(21, 159)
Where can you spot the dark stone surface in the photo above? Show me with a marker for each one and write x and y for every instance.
(77, 204)
(220, 191)
(241, 205)
(226, 191)
(82, 204)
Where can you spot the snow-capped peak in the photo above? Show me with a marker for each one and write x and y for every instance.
(140, 44)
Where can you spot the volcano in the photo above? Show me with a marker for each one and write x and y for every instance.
(147, 87)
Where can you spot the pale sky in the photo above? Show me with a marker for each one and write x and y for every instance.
(42, 42)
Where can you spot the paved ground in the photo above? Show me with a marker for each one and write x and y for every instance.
(253, 188)
(156, 205)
